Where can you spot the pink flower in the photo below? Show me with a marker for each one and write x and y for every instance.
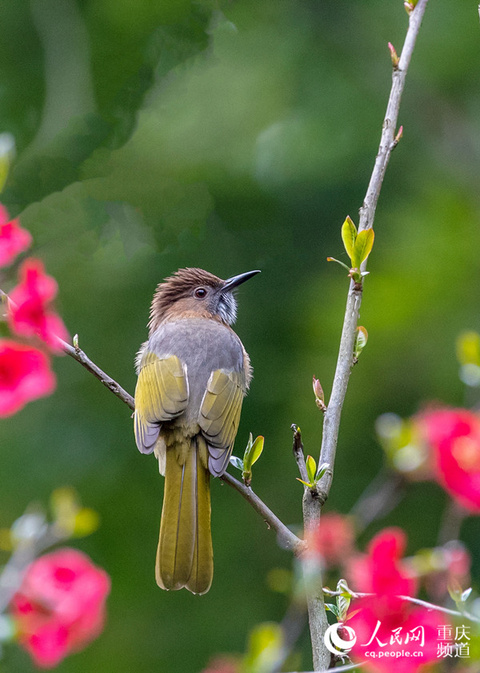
(25, 375)
(30, 311)
(60, 607)
(333, 539)
(453, 436)
(13, 239)
(384, 622)
(382, 571)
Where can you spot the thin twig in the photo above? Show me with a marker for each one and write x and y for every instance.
(77, 354)
(418, 601)
(286, 538)
(298, 453)
(367, 213)
(312, 505)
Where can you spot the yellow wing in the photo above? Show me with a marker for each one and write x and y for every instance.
(220, 416)
(161, 394)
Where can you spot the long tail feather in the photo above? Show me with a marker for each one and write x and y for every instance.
(201, 576)
(184, 554)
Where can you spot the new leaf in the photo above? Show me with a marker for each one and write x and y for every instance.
(362, 247)
(349, 236)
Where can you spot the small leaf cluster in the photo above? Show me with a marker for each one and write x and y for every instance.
(358, 246)
(253, 451)
(313, 475)
(342, 602)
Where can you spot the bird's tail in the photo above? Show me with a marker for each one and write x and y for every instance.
(185, 554)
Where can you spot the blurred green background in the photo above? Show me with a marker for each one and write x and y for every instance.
(234, 136)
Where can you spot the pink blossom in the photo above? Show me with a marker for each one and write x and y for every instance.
(30, 306)
(25, 375)
(333, 539)
(384, 621)
(453, 436)
(13, 239)
(60, 607)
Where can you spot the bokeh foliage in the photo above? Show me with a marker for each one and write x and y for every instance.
(234, 136)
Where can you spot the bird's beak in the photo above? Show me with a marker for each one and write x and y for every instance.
(235, 281)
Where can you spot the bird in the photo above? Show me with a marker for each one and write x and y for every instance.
(193, 373)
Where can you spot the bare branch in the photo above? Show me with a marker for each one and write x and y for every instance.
(298, 452)
(312, 505)
(77, 354)
(367, 213)
(286, 538)
(417, 601)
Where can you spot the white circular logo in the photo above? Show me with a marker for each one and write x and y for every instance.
(334, 643)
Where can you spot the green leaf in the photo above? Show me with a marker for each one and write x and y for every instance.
(466, 594)
(311, 468)
(256, 450)
(343, 600)
(332, 608)
(237, 462)
(362, 248)
(360, 341)
(321, 471)
(252, 454)
(349, 236)
(246, 454)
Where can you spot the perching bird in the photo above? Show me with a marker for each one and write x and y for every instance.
(193, 373)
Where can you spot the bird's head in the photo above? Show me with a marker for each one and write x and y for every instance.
(196, 292)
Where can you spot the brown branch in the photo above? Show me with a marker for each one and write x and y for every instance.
(286, 538)
(367, 213)
(312, 503)
(77, 354)
(298, 452)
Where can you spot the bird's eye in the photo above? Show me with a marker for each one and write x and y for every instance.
(200, 292)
